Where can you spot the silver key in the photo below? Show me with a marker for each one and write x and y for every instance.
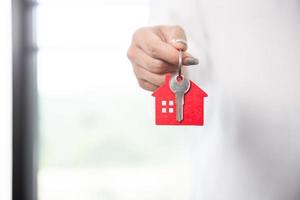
(179, 87)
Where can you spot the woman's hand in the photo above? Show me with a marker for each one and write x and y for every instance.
(154, 52)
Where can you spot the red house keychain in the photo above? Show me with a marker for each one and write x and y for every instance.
(179, 101)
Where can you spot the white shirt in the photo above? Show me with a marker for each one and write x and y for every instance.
(249, 52)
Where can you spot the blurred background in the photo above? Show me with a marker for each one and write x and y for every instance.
(97, 138)
(5, 101)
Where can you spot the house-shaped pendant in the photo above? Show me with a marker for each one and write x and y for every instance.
(165, 106)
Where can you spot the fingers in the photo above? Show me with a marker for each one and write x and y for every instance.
(156, 45)
(154, 52)
(188, 59)
(142, 74)
(136, 55)
(175, 36)
(156, 48)
(147, 85)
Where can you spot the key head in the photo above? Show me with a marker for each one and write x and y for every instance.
(179, 84)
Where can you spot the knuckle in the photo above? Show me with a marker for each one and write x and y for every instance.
(158, 66)
(154, 50)
(160, 80)
(138, 32)
(130, 53)
(143, 84)
(178, 28)
(136, 71)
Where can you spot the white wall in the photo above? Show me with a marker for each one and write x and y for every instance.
(5, 101)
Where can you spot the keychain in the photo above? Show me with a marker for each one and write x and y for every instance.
(179, 101)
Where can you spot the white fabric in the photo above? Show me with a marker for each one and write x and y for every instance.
(249, 52)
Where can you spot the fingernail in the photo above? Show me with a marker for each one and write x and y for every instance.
(191, 61)
(182, 41)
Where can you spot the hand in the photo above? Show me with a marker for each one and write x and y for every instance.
(154, 52)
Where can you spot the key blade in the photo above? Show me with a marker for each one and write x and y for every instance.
(179, 88)
(179, 96)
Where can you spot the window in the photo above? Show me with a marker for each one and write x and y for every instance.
(97, 137)
(167, 108)
(5, 101)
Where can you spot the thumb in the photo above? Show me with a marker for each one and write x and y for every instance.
(175, 36)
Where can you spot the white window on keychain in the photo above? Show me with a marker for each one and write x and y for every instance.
(167, 106)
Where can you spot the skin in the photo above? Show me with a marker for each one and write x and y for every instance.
(154, 53)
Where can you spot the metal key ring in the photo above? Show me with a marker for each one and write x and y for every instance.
(179, 63)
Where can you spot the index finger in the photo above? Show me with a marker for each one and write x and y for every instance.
(156, 48)
(175, 36)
